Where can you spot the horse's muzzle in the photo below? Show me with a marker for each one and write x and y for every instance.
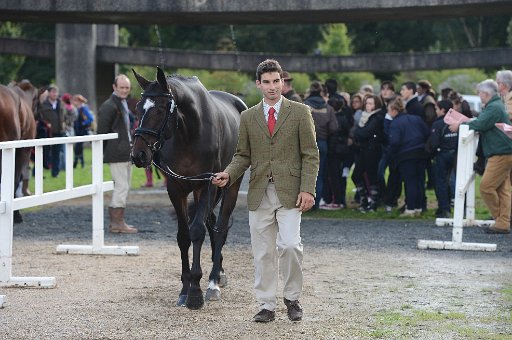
(141, 160)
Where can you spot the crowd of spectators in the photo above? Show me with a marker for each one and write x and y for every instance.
(393, 141)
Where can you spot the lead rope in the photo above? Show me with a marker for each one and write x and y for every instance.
(207, 176)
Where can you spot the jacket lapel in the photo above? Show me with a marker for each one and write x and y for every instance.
(260, 118)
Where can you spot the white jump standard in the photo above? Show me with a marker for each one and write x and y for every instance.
(8, 204)
(464, 192)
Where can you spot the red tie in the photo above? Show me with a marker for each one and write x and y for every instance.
(271, 120)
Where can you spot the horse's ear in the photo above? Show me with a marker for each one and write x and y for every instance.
(160, 77)
(143, 82)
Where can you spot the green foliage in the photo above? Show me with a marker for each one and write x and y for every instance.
(83, 176)
(463, 80)
(10, 64)
(351, 82)
(335, 40)
(250, 38)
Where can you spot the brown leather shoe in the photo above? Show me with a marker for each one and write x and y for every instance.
(265, 315)
(494, 230)
(294, 309)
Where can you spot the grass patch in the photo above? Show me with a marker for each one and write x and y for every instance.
(507, 292)
(83, 176)
(409, 323)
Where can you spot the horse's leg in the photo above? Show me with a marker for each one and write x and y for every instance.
(22, 158)
(205, 199)
(217, 277)
(179, 201)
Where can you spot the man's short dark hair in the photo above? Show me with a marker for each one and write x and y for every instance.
(410, 85)
(267, 66)
(445, 104)
(387, 84)
(331, 85)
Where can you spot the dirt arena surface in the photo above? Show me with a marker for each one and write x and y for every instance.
(363, 280)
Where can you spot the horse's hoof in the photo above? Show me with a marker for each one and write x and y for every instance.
(195, 302)
(212, 295)
(195, 299)
(182, 301)
(223, 280)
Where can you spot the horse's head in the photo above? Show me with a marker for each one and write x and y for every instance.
(154, 111)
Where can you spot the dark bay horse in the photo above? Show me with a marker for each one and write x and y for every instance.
(17, 123)
(188, 131)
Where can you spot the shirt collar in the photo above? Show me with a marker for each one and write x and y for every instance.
(277, 107)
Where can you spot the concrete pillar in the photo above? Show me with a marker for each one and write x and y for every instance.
(75, 59)
(106, 35)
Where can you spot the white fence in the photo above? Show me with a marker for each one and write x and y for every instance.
(8, 204)
(464, 193)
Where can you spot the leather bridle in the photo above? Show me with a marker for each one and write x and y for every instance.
(141, 131)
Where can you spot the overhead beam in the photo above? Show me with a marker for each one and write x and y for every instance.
(212, 12)
(245, 61)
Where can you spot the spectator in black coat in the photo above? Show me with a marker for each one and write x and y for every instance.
(410, 98)
(339, 150)
(369, 135)
(443, 145)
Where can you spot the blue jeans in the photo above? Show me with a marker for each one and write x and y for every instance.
(322, 171)
(443, 167)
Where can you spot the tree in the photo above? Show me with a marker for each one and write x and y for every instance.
(10, 64)
(335, 40)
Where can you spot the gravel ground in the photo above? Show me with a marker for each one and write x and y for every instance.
(363, 279)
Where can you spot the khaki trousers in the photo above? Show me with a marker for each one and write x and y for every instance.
(122, 176)
(495, 189)
(277, 250)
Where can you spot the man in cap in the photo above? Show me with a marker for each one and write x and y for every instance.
(288, 91)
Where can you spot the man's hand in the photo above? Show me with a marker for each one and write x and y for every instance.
(305, 201)
(221, 179)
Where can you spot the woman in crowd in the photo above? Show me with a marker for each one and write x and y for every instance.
(369, 135)
(407, 136)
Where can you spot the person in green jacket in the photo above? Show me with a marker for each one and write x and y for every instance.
(497, 148)
(277, 141)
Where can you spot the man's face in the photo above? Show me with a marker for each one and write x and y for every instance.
(287, 86)
(406, 93)
(53, 94)
(439, 111)
(484, 97)
(122, 89)
(502, 89)
(270, 86)
(387, 93)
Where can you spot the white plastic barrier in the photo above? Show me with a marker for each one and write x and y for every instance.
(464, 192)
(8, 203)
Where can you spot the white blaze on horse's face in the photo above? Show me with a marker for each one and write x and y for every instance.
(148, 104)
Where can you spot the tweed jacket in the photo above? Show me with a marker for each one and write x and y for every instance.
(110, 119)
(290, 155)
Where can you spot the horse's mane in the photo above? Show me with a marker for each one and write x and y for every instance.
(182, 77)
(192, 82)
